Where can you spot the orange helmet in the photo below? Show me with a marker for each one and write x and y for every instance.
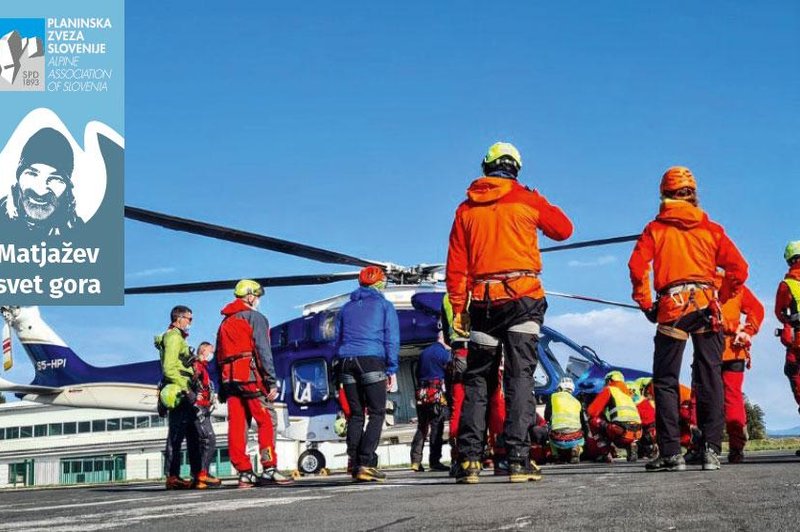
(371, 275)
(676, 178)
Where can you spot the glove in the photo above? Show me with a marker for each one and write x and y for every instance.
(273, 394)
(742, 339)
(652, 313)
(461, 323)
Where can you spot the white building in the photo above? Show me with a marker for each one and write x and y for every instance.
(42, 445)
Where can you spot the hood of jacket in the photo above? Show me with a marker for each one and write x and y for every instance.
(364, 292)
(237, 305)
(681, 214)
(489, 189)
(794, 271)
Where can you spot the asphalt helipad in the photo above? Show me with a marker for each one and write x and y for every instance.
(762, 494)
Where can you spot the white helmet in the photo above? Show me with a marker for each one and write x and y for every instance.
(566, 385)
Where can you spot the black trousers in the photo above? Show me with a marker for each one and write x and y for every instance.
(430, 418)
(509, 332)
(358, 375)
(207, 439)
(706, 382)
(181, 423)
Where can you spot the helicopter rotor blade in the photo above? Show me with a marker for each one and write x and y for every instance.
(209, 286)
(591, 299)
(592, 243)
(244, 237)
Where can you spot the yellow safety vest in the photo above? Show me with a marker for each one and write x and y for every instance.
(794, 289)
(566, 412)
(624, 410)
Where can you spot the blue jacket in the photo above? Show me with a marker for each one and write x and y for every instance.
(432, 363)
(367, 326)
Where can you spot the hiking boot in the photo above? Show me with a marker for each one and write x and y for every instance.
(438, 466)
(248, 479)
(417, 468)
(710, 460)
(198, 484)
(575, 455)
(693, 457)
(468, 472)
(177, 483)
(501, 468)
(527, 471)
(666, 463)
(633, 452)
(370, 474)
(209, 480)
(735, 456)
(271, 476)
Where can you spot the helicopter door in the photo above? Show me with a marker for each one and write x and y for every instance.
(310, 381)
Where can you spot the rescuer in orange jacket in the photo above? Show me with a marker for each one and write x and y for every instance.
(614, 416)
(493, 267)
(685, 249)
(735, 358)
(248, 383)
(787, 310)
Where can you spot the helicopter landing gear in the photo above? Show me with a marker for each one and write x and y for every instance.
(310, 462)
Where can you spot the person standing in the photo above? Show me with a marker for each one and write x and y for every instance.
(177, 367)
(203, 405)
(735, 359)
(431, 404)
(493, 267)
(685, 249)
(368, 347)
(787, 310)
(248, 383)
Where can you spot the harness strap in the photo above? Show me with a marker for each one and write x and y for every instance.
(526, 327)
(484, 339)
(672, 332)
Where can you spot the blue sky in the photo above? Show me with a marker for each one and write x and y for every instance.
(357, 127)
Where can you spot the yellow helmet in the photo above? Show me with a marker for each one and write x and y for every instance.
(503, 149)
(170, 395)
(615, 376)
(246, 287)
(792, 250)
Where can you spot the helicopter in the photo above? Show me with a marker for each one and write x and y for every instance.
(303, 348)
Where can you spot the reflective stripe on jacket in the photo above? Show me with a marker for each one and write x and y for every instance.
(787, 300)
(565, 412)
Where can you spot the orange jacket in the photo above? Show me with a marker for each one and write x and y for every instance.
(600, 402)
(784, 302)
(684, 246)
(494, 231)
(742, 303)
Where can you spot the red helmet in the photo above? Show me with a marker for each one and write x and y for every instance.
(371, 275)
(676, 178)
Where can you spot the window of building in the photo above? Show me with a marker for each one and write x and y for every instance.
(84, 426)
(26, 432)
(99, 425)
(12, 433)
(55, 429)
(93, 469)
(157, 421)
(112, 424)
(70, 428)
(39, 430)
(142, 422)
(128, 423)
(2, 434)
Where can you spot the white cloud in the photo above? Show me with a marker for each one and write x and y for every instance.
(599, 261)
(625, 338)
(149, 273)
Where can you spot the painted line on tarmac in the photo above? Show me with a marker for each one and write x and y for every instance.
(41, 508)
(120, 518)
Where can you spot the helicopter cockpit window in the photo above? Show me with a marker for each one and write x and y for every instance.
(540, 378)
(571, 362)
(310, 381)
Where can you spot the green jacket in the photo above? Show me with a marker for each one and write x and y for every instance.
(176, 364)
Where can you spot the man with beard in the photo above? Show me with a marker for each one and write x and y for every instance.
(41, 201)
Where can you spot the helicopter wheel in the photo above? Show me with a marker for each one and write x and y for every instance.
(311, 462)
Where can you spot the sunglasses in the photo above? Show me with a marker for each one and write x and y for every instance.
(187, 318)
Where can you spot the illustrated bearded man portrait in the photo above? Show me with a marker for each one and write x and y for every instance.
(42, 201)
